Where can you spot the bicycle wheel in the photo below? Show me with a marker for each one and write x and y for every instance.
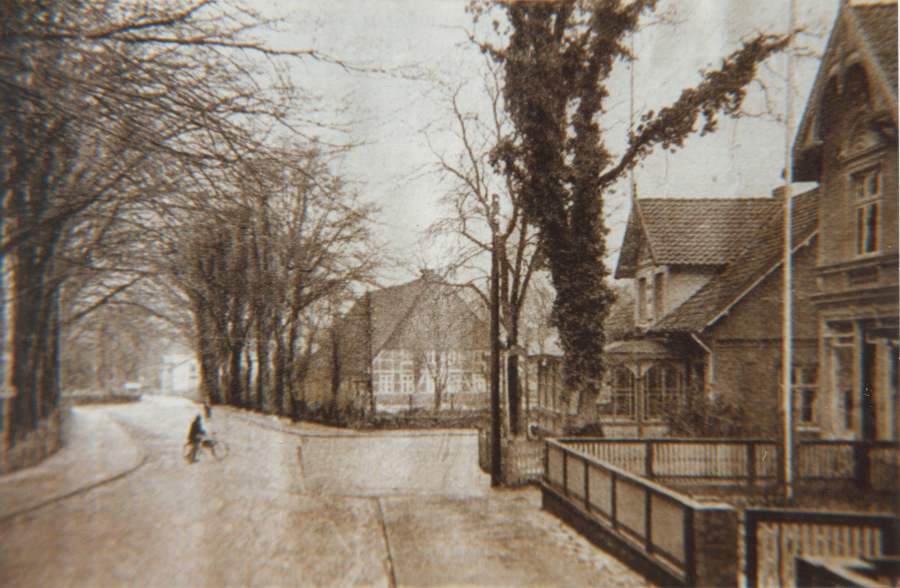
(220, 450)
(186, 450)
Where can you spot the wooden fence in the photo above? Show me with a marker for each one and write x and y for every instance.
(722, 461)
(871, 464)
(522, 460)
(687, 460)
(690, 542)
(774, 539)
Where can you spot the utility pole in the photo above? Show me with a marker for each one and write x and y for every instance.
(787, 359)
(496, 466)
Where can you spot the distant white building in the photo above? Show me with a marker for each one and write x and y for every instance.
(180, 374)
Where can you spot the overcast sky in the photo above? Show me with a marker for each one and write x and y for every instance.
(388, 115)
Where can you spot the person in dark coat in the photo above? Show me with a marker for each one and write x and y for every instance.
(195, 436)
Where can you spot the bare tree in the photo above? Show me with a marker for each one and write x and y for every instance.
(103, 103)
(284, 238)
(474, 222)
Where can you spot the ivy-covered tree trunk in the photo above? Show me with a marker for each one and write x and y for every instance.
(556, 62)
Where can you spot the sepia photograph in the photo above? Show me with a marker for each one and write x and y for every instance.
(449, 293)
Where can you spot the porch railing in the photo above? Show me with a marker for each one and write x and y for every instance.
(677, 535)
(775, 538)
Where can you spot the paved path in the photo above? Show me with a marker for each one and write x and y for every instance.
(292, 505)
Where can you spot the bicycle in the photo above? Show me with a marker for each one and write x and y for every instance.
(218, 449)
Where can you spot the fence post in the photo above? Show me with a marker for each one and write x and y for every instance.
(690, 562)
(861, 459)
(612, 501)
(751, 464)
(546, 460)
(648, 460)
(587, 489)
(714, 558)
(751, 566)
(890, 538)
(648, 514)
(779, 476)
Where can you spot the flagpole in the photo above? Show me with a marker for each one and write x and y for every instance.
(787, 306)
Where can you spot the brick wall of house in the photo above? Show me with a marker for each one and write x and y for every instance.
(746, 343)
(838, 211)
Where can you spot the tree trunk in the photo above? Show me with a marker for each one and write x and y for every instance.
(264, 399)
(278, 373)
(34, 338)
(513, 390)
(234, 377)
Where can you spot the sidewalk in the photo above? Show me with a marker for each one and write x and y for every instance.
(97, 450)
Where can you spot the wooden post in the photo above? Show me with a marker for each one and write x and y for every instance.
(612, 501)
(648, 460)
(751, 565)
(587, 490)
(751, 464)
(861, 451)
(496, 466)
(690, 563)
(648, 515)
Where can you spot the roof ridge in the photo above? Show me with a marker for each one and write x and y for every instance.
(867, 4)
(721, 199)
(761, 272)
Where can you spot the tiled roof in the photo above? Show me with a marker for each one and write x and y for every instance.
(392, 306)
(702, 232)
(879, 24)
(708, 231)
(620, 321)
(755, 261)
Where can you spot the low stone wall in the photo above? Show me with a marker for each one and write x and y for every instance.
(38, 444)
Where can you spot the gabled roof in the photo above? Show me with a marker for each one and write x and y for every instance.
(865, 34)
(758, 260)
(391, 308)
(699, 232)
(879, 26)
(620, 321)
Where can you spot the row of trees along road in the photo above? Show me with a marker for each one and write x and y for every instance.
(540, 148)
(135, 173)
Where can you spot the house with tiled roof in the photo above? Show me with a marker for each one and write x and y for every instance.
(847, 142)
(706, 313)
(417, 345)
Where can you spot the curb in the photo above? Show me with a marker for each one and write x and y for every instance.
(81, 486)
(75, 492)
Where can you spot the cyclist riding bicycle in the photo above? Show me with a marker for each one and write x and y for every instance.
(195, 436)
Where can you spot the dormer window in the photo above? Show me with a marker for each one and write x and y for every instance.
(867, 188)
